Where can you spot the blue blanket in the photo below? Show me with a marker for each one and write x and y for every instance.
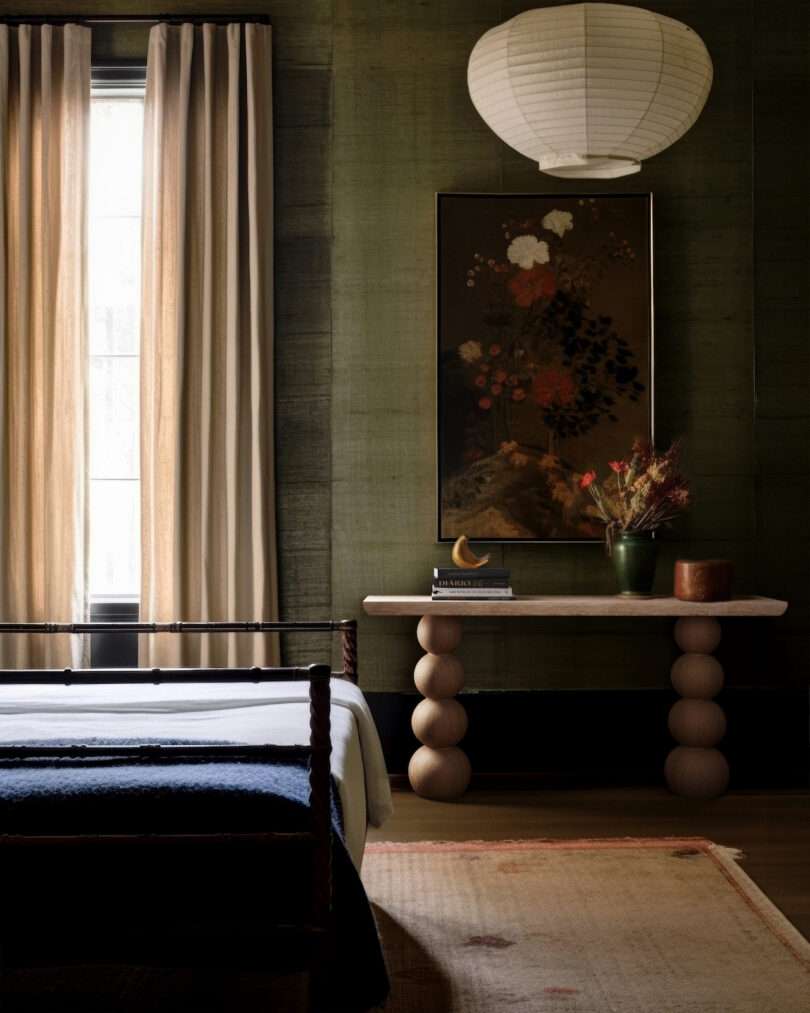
(188, 903)
(121, 795)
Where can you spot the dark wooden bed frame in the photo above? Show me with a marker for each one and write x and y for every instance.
(316, 927)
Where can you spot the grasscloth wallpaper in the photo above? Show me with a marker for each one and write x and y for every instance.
(731, 315)
(372, 118)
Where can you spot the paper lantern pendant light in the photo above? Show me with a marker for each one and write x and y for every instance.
(590, 90)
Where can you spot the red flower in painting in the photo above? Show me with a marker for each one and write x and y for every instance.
(485, 403)
(518, 394)
(480, 380)
(553, 387)
(587, 479)
(494, 349)
(529, 286)
(496, 389)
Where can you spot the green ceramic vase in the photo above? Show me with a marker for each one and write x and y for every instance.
(634, 558)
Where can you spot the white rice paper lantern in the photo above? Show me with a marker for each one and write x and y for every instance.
(590, 90)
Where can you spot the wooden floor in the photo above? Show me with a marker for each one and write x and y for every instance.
(771, 829)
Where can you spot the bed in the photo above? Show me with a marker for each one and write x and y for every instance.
(105, 764)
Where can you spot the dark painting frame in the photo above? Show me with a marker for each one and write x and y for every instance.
(478, 217)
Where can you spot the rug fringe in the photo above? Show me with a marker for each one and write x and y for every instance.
(732, 854)
(702, 843)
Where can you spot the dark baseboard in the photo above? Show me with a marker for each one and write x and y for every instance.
(582, 738)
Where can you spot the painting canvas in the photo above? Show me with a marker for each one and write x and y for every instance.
(544, 357)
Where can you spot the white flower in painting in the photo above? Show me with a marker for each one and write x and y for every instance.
(526, 251)
(558, 222)
(470, 351)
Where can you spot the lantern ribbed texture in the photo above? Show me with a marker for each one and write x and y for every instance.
(590, 90)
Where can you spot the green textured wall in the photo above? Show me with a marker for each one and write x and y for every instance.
(372, 118)
(731, 227)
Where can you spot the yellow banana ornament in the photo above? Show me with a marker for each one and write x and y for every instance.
(464, 557)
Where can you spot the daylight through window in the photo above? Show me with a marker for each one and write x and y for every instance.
(114, 344)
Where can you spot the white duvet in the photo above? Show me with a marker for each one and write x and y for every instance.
(239, 712)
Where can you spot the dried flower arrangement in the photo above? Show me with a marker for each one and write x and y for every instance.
(641, 495)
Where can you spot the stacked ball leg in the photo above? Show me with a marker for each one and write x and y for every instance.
(695, 768)
(439, 769)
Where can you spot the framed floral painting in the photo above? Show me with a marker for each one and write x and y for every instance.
(545, 364)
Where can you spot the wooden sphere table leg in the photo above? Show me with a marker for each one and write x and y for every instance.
(695, 768)
(439, 769)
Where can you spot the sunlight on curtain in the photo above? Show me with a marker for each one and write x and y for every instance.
(44, 116)
(208, 496)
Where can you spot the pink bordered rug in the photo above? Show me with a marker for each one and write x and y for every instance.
(664, 925)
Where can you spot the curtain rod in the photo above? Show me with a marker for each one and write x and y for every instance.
(116, 19)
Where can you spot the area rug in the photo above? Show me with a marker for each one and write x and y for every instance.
(601, 926)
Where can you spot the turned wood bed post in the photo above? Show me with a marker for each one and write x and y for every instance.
(320, 791)
(348, 637)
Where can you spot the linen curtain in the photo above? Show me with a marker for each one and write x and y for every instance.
(207, 459)
(44, 131)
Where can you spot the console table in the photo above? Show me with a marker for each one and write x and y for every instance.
(439, 769)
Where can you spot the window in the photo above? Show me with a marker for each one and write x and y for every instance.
(116, 129)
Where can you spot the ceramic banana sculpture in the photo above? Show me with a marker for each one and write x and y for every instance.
(465, 558)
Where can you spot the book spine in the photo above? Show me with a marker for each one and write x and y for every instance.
(472, 597)
(489, 592)
(452, 582)
(454, 573)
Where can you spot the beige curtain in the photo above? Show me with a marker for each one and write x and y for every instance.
(207, 463)
(44, 129)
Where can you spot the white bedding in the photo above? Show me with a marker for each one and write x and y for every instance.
(239, 712)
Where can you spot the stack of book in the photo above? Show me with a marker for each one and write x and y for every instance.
(452, 584)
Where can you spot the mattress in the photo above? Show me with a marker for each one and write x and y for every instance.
(248, 713)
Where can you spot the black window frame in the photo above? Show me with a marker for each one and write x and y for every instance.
(119, 75)
(114, 650)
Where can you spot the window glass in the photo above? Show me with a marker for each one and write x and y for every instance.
(116, 138)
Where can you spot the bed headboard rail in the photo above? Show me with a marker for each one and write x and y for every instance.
(347, 628)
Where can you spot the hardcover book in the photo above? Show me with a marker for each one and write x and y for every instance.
(483, 573)
(470, 584)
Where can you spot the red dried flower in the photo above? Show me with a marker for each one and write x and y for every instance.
(618, 466)
(587, 479)
(529, 286)
(553, 387)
